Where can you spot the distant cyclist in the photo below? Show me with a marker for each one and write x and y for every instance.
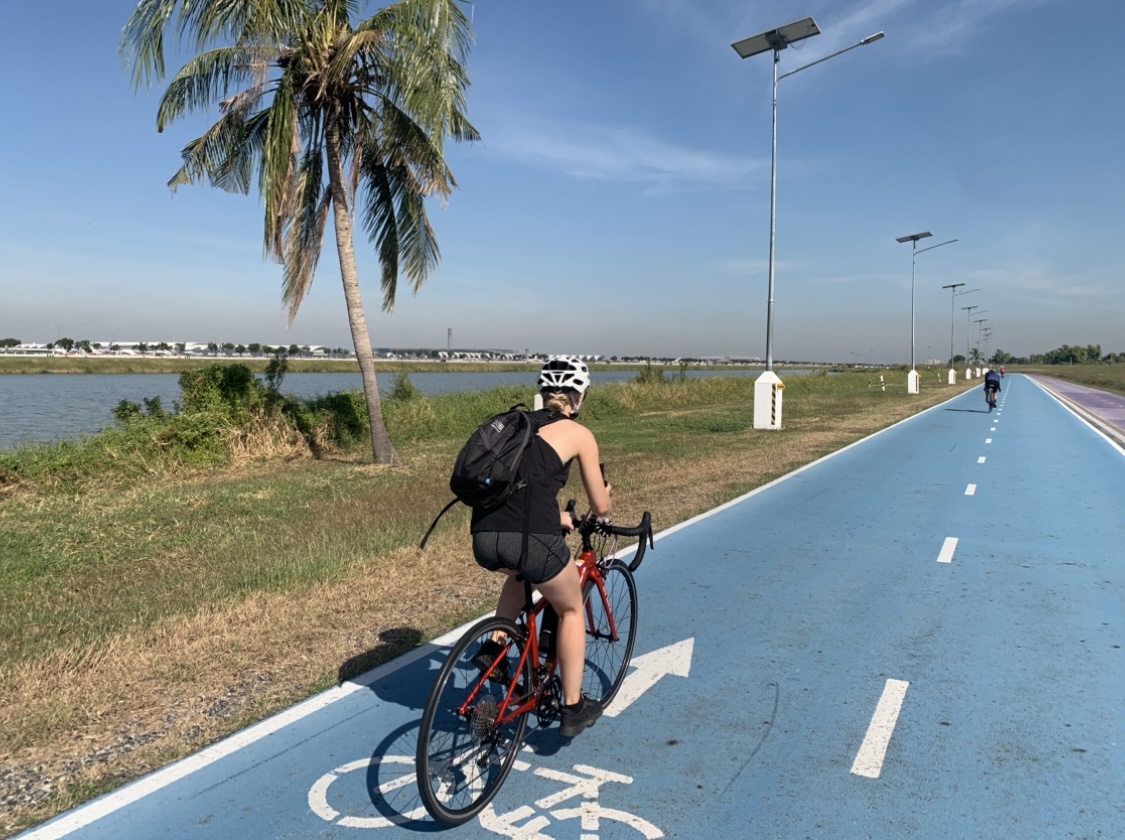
(1002, 371)
(991, 388)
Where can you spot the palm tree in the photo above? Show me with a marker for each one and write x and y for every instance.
(332, 117)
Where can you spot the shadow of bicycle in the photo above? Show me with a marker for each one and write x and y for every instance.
(381, 790)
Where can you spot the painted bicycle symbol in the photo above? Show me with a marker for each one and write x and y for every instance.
(577, 799)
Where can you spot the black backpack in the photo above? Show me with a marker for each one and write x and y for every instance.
(486, 472)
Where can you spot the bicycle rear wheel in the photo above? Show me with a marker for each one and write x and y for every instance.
(463, 757)
(608, 659)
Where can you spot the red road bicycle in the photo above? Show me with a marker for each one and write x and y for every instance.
(477, 713)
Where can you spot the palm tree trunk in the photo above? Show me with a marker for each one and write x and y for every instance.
(381, 446)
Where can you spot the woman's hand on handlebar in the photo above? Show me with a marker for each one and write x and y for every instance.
(567, 520)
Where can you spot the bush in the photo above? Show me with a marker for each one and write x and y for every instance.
(403, 389)
(649, 375)
(339, 418)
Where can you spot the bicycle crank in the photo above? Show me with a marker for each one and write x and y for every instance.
(550, 703)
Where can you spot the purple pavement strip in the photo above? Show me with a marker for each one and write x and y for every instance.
(1109, 406)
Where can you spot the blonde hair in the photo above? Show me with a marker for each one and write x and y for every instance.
(557, 401)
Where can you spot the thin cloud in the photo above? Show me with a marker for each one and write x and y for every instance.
(618, 154)
(1037, 284)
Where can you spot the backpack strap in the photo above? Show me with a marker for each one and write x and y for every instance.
(433, 525)
(539, 424)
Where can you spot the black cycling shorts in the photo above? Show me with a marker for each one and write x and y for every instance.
(547, 554)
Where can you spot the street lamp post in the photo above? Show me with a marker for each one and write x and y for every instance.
(912, 377)
(984, 337)
(968, 310)
(978, 322)
(768, 387)
(953, 287)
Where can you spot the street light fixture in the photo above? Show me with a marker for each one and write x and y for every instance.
(912, 377)
(953, 287)
(768, 387)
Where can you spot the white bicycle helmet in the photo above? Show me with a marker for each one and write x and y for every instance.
(564, 373)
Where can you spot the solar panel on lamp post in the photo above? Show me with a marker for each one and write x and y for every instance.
(768, 387)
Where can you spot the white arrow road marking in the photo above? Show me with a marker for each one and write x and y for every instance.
(869, 760)
(674, 659)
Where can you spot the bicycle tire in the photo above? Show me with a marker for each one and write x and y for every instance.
(606, 660)
(462, 760)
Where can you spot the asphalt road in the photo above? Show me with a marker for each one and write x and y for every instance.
(921, 636)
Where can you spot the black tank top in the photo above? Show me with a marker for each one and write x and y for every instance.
(546, 475)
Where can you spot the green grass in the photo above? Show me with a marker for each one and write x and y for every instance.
(115, 549)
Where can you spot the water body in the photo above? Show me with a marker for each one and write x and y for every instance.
(40, 408)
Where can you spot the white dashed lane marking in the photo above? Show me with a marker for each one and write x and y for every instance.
(947, 549)
(869, 760)
(971, 490)
(980, 460)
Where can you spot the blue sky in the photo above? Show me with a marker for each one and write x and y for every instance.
(619, 200)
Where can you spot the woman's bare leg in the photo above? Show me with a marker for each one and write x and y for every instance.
(565, 595)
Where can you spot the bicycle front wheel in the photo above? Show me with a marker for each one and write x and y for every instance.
(611, 628)
(463, 755)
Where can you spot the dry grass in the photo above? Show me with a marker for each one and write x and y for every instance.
(92, 717)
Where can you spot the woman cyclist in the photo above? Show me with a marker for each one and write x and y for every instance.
(498, 536)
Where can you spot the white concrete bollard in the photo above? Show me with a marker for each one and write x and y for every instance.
(768, 390)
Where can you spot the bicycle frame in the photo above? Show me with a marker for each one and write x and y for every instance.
(484, 730)
(589, 570)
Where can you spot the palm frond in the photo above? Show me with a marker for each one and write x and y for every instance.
(277, 179)
(208, 78)
(395, 220)
(424, 63)
(224, 155)
(203, 23)
(262, 21)
(305, 234)
(402, 142)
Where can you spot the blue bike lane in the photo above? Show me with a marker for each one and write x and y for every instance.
(921, 635)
